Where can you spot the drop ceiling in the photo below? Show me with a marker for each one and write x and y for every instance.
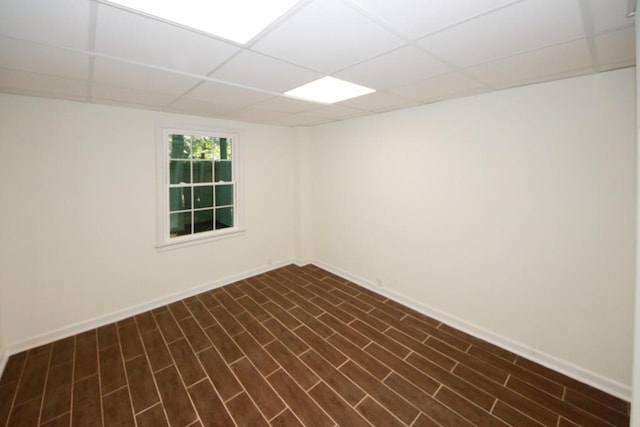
(411, 52)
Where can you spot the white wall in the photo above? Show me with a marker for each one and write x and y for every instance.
(78, 234)
(635, 409)
(512, 212)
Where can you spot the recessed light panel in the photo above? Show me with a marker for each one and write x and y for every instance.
(235, 20)
(329, 90)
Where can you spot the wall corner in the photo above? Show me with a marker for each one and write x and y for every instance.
(302, 193)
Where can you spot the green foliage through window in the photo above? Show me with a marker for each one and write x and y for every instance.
(201, 186)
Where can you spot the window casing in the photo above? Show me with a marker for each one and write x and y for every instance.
(198, 191)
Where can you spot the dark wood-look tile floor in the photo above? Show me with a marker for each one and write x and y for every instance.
(295, 346)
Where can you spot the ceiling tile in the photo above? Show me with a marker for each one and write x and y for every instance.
(233, 97)
(255, 115)
(558, 76)
(44, 85)
(334, 111)
(302, 120)
(274, 75)
(535, 65)
(417, 18)
(286, 104)
(608, 14)
(142, 39)
(325, 114)
(617, 47)
(327, 36)
(441, 87)
(58, 22)
(400, 67)
(379, 101)
(27, 56)
(523, 26)
(123, 74)
(199, 107)
(100, 91)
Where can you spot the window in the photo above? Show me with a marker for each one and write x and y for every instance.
(199, 188)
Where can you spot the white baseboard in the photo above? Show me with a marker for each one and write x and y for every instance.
(578, 373)
(595, 380)
(115, 316)
(4, 358)
(303, 262)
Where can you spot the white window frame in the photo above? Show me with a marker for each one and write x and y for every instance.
(164, 241)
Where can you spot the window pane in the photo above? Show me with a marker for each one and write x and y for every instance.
(179, 199)
(200, 183)
(179, 172)
(202, 171)
(223, 149)
(203, 197)
(202, 147)
(180, 224)
(203, 221)
(224, 218)
(224, 195)
(179, 147)
(223, 171)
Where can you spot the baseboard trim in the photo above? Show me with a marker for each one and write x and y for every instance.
(552, 362)
(3, 361)
(576, 372)
(303, 262)
(117, 315)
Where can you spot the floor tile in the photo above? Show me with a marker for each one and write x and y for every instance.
(341, 412)
(31, 385)
(168, 326)
(245, 412)
(380, 392)
(186, 361)
(286, 419)
(156, 350)
(57, 396)
(225, 345)
(220, 374)
(285, 336)
(376, 414)
(290, 363)
(112, 375)
(130, 341)
(117, 409)
(446, 413)
(25, 414)
(62, 351)
(375, 367)
(152, 417)
(194, 334)
(255, 328)
(87, 406)
(342, 385)
(322, 347)
(298, 401)
(141, 384)
(256, 353)
(209, 406)
(175, 399)
(255, 385)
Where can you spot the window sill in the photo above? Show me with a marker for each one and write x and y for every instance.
(185, 241)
